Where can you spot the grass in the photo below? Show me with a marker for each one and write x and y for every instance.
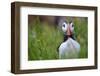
(81, 32)
(43, 40)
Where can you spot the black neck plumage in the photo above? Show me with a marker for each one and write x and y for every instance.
(66, 37)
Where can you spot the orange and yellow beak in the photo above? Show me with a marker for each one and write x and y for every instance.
(69, 31)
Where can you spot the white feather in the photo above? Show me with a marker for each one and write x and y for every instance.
(69, 49)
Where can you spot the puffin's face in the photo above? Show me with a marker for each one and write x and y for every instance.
(68, 28)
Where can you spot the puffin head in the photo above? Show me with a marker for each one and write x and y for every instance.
(68, 29)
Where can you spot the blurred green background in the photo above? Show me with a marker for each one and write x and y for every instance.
(44, 36)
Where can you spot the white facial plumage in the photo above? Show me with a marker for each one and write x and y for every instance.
(65, 27)
(71, 27)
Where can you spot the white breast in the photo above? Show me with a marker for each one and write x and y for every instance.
(69, 49)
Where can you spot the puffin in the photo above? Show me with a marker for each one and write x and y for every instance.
(69, 48)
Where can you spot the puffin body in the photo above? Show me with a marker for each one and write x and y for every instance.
(69, 48)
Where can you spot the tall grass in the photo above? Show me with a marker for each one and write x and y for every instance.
(81, 32)
(44, 39)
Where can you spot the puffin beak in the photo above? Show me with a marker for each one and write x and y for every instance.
(69, 31)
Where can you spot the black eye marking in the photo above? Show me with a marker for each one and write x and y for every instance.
(63, 25)
(72, 25)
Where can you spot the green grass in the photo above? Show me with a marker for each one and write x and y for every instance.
(43, 40)
(81, 32)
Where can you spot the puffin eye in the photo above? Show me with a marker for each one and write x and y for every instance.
(63, 25)
(72, 25)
